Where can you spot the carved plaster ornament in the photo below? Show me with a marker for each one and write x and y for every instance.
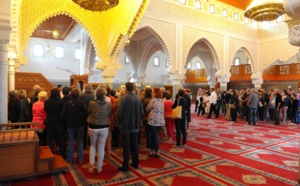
(294, 35)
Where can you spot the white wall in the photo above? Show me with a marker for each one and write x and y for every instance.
(157, 75)
(47, 64)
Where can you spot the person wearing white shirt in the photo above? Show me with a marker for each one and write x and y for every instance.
(213, 103)
(197, 100)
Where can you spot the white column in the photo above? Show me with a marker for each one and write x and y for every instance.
(11, 74)
(4, 38)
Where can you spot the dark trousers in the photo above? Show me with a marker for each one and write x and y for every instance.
(154, 137)
(148, 135)
(130, 145)
(233, 114)
(261, 111)
(196, 106)
(116, 136)
(293, 115)
(213, 108)
(271, 114)
(43, 138)
(180, 129)
(57, 133)
(201, 109)
(277, 116)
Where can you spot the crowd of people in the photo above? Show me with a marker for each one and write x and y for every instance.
(250, 105)
(102, 118)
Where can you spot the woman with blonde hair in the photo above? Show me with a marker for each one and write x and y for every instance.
(98, 127)
(39, 115)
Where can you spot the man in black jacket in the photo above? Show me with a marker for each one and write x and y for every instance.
(278, 106)
(130, 117)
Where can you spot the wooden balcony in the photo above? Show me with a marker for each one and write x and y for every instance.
(196, 76)
(288, 72)
(240, 73)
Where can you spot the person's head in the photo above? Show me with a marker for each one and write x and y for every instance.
(42, 95)
(13, 94)
(60, 87)
(22, 93)
(88, 88)
(180, 92)
(252, 90)
(55, 93)
(276, 91)
(36, 87)
(168, 96)
(129, 86)
(148, 93)
(74, 93)
(101, 93)
(232, 92)
(293, 95)
(107, 91)
(289, 90)
(212, 89)
(66, 91)
(243, 90)
(156, 93)
(113, 92)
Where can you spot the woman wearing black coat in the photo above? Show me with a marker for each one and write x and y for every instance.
(54, 125)
(180, 123)
(74, 115)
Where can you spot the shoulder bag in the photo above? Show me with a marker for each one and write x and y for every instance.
(176, 112)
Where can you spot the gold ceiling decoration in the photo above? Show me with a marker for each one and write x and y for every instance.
(265, 10)
(97, 5)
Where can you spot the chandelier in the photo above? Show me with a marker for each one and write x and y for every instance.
(97, 5)
(265, 10)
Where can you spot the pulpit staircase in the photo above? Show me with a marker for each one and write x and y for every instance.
(21, 156)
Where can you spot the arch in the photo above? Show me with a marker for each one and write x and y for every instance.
(160, 40)
(41, 19)
(248, 54)
(211, 49)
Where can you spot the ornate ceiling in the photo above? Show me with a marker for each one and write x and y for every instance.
(242, 4)
(64, 24)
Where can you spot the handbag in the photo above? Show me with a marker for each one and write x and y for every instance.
(176, 112)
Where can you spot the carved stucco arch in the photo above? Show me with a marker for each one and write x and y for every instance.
(193, 53)
(159, 37)
(41, 19)
(148, 54)
(211, 48)
(248, 54)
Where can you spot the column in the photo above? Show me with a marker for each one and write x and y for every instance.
(4, 39)
(223, 83)
(11, 74)
(257, 80)
(108, 75)
(176, 82)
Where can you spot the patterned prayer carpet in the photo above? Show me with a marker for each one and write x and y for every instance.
(217, 153)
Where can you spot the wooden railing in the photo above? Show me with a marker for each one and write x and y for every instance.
(18, 132)
(194, 76)
(288, 72)
(26, 80)
(240, 73)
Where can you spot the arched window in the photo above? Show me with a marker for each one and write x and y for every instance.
(127, 60)
(97, 58)
(198, 65)
(38, 50)
(77, 53)
(212, 9)
(237, 61)
(182, 2)
(156, 61)
(224, 12)
(246, 20)
(59, 52)
(236, 16)
(198, 4)
(189, 65)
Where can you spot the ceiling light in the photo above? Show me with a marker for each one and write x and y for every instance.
(97, 5)
(265, 10)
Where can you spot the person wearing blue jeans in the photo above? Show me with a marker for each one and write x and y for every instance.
(78, 131)
(253, 102)
(74, 114)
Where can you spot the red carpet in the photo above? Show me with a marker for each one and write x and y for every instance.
(217, 153)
